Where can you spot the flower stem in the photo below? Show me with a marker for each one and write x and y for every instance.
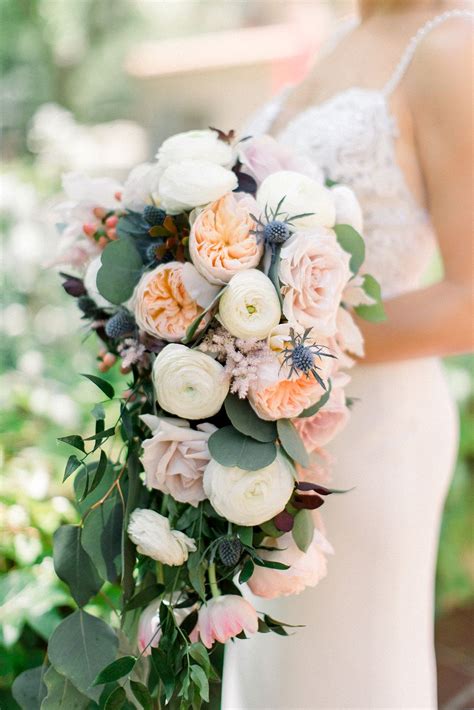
(213, 580)
(160, 578)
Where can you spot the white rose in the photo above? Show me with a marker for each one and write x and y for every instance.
(153, 537)
(189, 383)
(348, 209)
(140, 186)
(249, 307)
(248, 497)
(191, 183)
(195, 145)
(301, 195)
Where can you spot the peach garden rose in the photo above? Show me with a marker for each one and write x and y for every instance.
(320, 429)
(163, 306)
(221, 242)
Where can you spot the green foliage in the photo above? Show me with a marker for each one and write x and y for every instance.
(29, 689)
(247, 422)
(314, 409)
(120, 271)
(303, 529)
(231, 448)
(117, 669)
(375, 312)
(291, 441)
(352, 242)
(73, 565)
(62, 695)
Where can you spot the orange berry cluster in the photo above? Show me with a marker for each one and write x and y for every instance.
(106, 360)
(105, 229)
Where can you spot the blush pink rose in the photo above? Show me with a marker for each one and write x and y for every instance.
(163, 306)
(225, 617)
(175, 457)
(306, 568)
(314, 271)
(263, 155)
(320, 429)
(222, 242)
(319, 469)
(348, 336)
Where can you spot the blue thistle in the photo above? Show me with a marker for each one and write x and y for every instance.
(154, 215)
(301, 357)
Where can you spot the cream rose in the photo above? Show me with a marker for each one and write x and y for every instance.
(314, 270)
(249, 307)
(154, 538)
(222, 242)
(195, 145)
(302, 195)
(348, 209)
(189, 383)
(175, 457)
(141, 186)
(192, 183)
(248, 497)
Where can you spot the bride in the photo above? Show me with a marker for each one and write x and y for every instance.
(389, 116)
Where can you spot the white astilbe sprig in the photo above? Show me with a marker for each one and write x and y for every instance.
(241, 358)
(132, 353)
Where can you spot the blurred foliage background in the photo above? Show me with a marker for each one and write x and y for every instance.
(68, 102)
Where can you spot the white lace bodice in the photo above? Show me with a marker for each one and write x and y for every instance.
(351, 136)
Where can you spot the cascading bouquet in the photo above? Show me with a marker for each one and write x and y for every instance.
(222, 277)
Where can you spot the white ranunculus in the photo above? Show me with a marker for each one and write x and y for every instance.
(90, 283)
(153, 537)
(195, 145)
(249, 497)
(141, 186)
(189, 383)
(192, 183)
(348, 209)
(249, 307)
(301, 195)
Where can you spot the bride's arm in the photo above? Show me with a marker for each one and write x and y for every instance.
(438, 320)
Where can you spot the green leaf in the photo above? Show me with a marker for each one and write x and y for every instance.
(191, 331)
(231, 448)
(116, 699)
(271, 564)
(73, 463)
(101, 537)
(314, 409)
(245, 534)
(115, 670)
(102, 384)
(120, 271)
(274, 272)
(270, 529)
(99, 472)
(62, 695)
(142, 694)
(29, 688)
(196, 573)
(247, 571)
(80, 647)
(245, 420)
(145, 596)
(303, 529)
(73, 565)
(163, 670)
(376, 312)
(352, 242)
(73, 440)
(198, 653)
(199, 678)
(291, 442)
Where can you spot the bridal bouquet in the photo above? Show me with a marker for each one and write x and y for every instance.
(221, 279)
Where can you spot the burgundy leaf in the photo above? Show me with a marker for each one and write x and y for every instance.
(74, 286)
(284, 521)
(309, 502)
(307, 486)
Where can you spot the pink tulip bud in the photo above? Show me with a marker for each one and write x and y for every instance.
(224, 617)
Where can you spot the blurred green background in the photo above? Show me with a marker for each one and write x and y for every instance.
(82, 88)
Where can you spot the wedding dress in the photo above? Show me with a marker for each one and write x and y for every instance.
(368, 635)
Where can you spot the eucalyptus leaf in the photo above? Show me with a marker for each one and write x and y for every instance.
(62, 694)
(29, 688)
(80, 648)
(73, 565)
(303, 529)
(314, 409)
(245, 420)
(375, 312)
(352, 242)
(231, 448)
(291, 442)
(101, 537)
(120, 271)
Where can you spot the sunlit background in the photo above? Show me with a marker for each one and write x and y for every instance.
(94, 86)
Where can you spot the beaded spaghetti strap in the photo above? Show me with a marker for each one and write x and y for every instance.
(410, 50)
